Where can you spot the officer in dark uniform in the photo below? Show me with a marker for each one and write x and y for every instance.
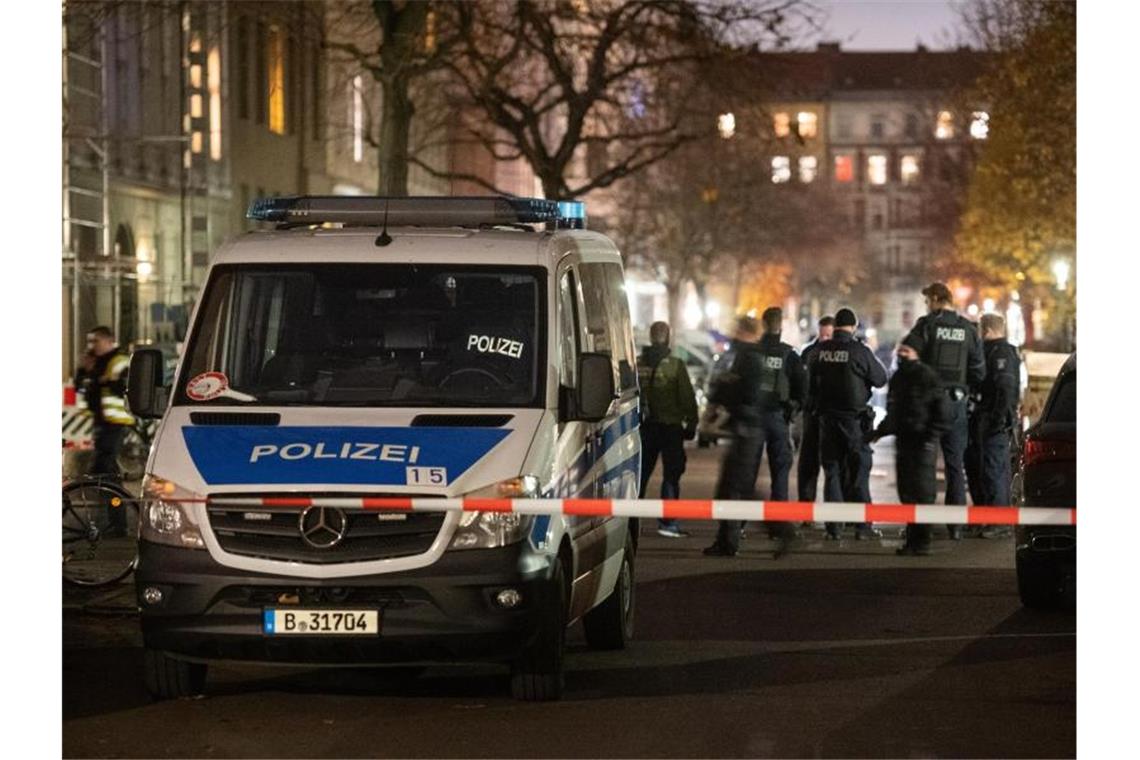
(842, 373)
(807, 470)
(916, 415)
(949, 344)
(738, 390)
(994, 417)
(781, 395)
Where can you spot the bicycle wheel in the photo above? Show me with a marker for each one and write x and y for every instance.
(100, 529)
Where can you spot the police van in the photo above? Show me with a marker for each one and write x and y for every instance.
(372, 349)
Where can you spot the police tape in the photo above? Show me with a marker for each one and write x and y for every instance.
(685, 509)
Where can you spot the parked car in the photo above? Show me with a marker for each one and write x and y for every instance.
(1046, 555)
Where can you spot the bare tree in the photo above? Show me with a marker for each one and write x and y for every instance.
(543, 80)
(397, 42)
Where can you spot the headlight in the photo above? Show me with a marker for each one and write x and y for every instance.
(166, 519)
(488, 530)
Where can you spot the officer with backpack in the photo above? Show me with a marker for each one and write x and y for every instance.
(949, 344)
(669, 418)
(916, 416)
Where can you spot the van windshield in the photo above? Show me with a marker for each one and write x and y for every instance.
(368, 335)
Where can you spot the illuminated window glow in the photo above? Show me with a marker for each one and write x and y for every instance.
(908, 168)
(808, 124)
(196, 142)
(844, 169)
(781, 169)
(944, 128)
(980, 125)
(726, 125)
(877, 169)
(781, 125)
(808, 168)
(214, 86)
(276, 53)
(195, 106)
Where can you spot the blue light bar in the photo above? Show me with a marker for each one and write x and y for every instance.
(572, 215)
(426, 211)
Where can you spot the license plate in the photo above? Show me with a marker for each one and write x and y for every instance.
(310, 622)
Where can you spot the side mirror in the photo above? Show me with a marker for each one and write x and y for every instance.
(146, 396)
(595, 392)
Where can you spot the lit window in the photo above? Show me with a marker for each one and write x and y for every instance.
(944, 129)
(726, 125)
(808, 167)
(908, 168)
(214, 85)
(196, 142)
(980, 125)
(196, 77)
(877, 169)
(781, 125)
(357, 119)
(430, 41)
(844, 168)
(781, 169)
(808, 124)
(276, 52)
(195, 106)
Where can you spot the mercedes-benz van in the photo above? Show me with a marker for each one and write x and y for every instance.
(380, 348)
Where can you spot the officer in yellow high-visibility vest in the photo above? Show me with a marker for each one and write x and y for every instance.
(102, 381)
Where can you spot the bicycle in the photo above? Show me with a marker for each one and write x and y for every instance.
(97, 549)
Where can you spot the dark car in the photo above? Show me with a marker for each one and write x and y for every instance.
(1047, 477)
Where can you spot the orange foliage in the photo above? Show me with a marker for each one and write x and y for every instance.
(764, 284)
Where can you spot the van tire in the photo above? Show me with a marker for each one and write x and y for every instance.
(537, 673)
(610, 624)
(169, 678)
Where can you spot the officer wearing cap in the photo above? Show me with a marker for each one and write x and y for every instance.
(949, 344)
(842, 373)
(807, 470)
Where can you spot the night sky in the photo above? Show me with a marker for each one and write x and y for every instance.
(870, 25)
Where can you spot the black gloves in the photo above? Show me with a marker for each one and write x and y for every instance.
(690, 431)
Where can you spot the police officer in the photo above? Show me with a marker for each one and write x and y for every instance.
(916, 415)
(102, 379)
(781, 395)
(807, 470)
(669, 417)
(842, 373)
(948, 343)
(994, 417)
(738, 390)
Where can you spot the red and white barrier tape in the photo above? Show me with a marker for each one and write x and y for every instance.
(686, 509)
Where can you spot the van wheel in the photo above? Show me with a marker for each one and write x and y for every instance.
(537, 673)
(1036, 586)
(170, 678)
(610, 624)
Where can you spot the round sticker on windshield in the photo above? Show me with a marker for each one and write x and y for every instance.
(208, 385)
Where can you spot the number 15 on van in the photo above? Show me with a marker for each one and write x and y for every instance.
(427, 476)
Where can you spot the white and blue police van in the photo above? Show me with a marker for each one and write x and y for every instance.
(372, 348)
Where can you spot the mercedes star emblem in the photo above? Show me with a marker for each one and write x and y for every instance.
(323, 527)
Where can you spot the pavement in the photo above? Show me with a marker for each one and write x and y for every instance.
(831, 651)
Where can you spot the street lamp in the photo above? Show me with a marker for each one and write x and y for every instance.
(1061, 273)
(726, 125)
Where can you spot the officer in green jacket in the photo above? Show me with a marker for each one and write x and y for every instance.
(668, 418)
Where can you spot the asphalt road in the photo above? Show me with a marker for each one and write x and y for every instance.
(832, 651)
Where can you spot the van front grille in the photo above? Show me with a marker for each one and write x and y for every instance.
(308, 535)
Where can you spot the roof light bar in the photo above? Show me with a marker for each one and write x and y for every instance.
(427, 211)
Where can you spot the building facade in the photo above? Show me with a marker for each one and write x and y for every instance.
(178, 114)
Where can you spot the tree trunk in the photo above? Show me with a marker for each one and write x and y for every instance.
(395, 130)
(675, 291)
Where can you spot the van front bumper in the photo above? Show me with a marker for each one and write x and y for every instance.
(443, 612)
